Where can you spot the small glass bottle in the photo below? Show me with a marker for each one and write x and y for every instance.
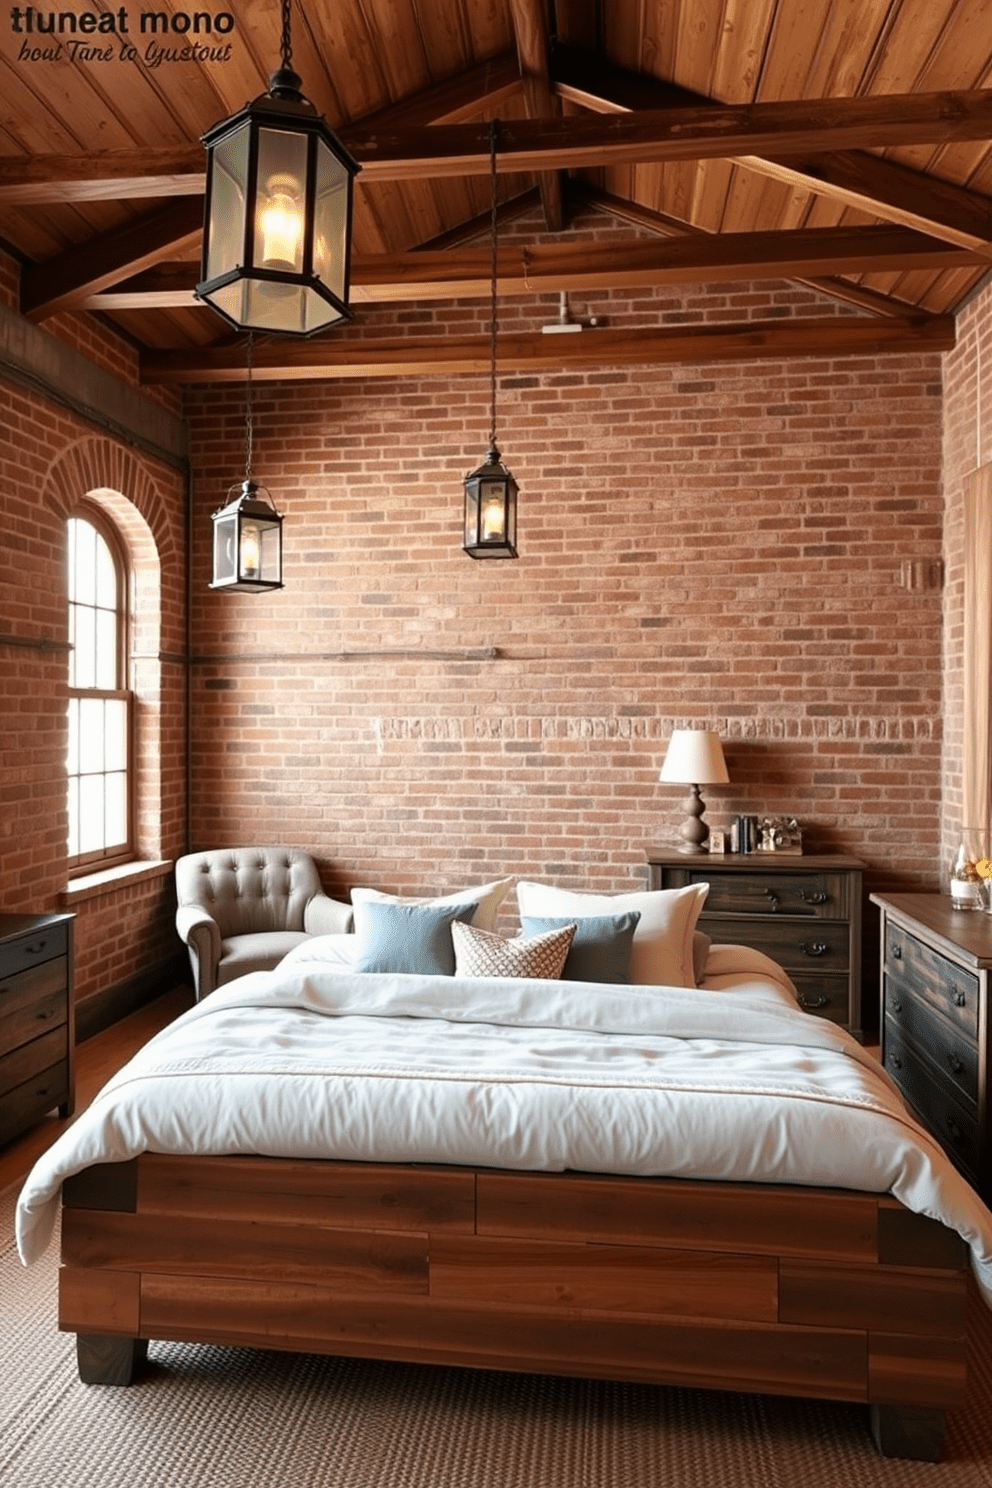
(967, 886)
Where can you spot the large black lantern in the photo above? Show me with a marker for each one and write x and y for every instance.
(277, 225)
(247, 542)
(491, 491)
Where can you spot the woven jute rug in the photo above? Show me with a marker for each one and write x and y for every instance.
(235, 1418)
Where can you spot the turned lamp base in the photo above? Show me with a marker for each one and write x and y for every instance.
(694, 831)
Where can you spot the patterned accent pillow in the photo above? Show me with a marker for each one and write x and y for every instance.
(480, 954)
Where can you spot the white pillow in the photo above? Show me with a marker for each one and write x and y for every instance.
(488, 897)
(661, 953)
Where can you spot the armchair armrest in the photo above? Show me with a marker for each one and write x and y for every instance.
(201, 934)
(325, 916)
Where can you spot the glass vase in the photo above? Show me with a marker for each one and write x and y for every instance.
(968, 888)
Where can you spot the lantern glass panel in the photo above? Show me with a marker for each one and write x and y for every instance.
(275, 307)
(330, 240)
(492, 503)
(280, 201)
(270, 544)
(225, 539)
(471, 513)
(225, 230)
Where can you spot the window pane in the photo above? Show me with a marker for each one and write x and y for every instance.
(85, 652)
(73, 818)
(91, 795)
(115, 734)
(91, 735)
(82, 579)
(72, 752)
(115, 824)
(106, 575)
(106, 649)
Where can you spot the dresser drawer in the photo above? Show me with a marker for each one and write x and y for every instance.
(821, 896)
(945, 1045)
(33, 1000)
(823, 946)
(43, 944)
(29, 1101)
(954, 1126)
(23, 1063)
(927, 974)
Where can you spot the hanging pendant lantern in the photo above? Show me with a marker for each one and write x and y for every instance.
(491, 491)
(247, 554)
(277, 223)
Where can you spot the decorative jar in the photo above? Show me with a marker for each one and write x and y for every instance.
(969, 889)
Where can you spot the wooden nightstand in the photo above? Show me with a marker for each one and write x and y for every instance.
(37, 1026)
(803, 911)
(934, 1024)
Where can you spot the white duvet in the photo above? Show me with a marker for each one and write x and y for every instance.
(731, 1081)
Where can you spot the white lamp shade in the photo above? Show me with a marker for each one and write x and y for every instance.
(694, 757)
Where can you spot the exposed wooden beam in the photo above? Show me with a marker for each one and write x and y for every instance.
(65, 282)
(700, 133)
(532, 52)
(350, 356)
(867, 182)
(711, 132)
(543, 268)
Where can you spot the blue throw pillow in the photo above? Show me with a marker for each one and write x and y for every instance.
(407, 937)
(600, 950)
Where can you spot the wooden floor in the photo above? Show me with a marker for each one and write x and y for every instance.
(96, 1060)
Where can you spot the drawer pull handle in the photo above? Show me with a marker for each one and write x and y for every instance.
(959, 999)
(44, 1017)
(954, 1131)
(772, 898)
(812, 1002)
(813, 896)
(813, 947)
(896, 1007)
(954, 1064)
(35, 949)
(897, 953)
(895, 1061)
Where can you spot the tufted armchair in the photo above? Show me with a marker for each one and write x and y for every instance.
(242, 908)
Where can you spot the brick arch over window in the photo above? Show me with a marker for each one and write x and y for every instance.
(120, 484)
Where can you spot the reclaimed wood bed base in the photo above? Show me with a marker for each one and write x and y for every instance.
(766, 1289)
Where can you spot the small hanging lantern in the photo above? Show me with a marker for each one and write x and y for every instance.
(247, 542)
(491, 510)
(491, 491)
(277, 223)
(248, 530)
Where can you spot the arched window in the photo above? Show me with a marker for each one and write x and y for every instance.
(99, 754)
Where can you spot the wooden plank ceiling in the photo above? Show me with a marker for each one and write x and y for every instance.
(844, 144)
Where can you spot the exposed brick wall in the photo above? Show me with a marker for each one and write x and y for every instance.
(712, 544)
(49, 460)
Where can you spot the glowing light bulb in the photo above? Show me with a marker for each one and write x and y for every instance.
(280, 221)
(492, 517)
(251, 551)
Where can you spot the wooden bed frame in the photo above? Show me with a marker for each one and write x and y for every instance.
(825, 1293)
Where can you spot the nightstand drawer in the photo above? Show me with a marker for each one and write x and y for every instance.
(954, 1126)
(32, 999)
(826, 996)
(31, 1100)
(953, 1053)
(29, 950)
(764, 891)
(823, 946)
(939, 981)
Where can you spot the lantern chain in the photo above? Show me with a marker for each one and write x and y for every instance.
(286, 45)
(249, 426)
(493, 128)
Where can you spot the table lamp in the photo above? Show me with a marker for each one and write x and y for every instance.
(694, 758)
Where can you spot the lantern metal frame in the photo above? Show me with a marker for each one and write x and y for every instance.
(490, 525)
(310, 177)
(247, 530)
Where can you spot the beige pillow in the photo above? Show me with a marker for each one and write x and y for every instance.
(661, 954)
(479, 954)
(487, 897)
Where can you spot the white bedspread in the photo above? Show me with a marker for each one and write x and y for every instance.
(729, 1082)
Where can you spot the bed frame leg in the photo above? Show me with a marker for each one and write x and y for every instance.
(103, 1359)
(913, 1431)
